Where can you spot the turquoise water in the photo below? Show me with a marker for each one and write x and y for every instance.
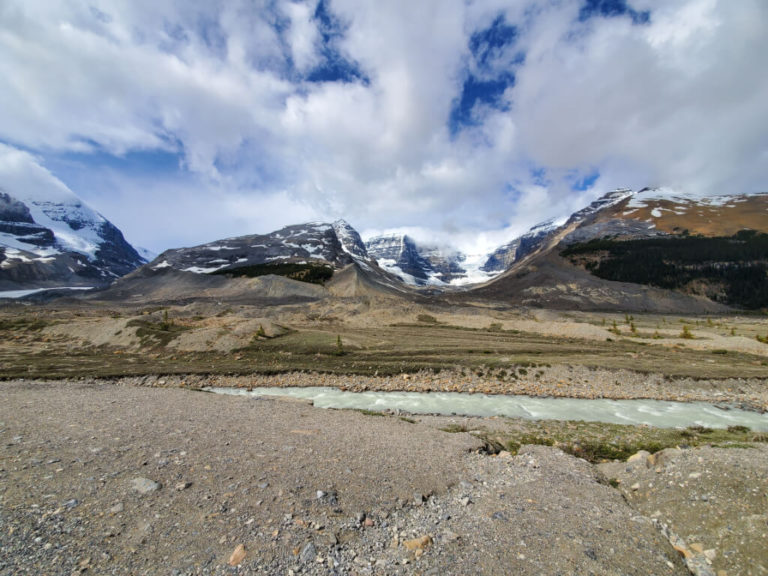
(658, 413)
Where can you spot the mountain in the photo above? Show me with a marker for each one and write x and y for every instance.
(51, 238)
(420, 265)
(334, 244)
(626, 248)
(299, 263)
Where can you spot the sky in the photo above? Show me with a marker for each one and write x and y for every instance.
(462, 122)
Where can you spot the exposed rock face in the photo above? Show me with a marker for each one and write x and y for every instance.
(414, 264)
(49, 240)
(398, 254)
(337, 244)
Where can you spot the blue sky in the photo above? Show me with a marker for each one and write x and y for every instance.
(461, 122)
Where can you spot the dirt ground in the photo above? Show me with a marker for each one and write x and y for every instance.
(105, 478)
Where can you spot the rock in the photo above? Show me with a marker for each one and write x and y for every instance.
(238, 555)
(694, 475)
(465, 501)
(449, 536)
(697, 548)
(182, 486)
(643, 456)
(368, 523)
(144, 485)
(320, 494)
(418, 543)
(308, 553)
(635, 487)
(117, 508)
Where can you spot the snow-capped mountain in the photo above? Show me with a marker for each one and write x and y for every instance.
(50, 238)
(334, 243)
(625, 213)
(417, 265)
(659, 249)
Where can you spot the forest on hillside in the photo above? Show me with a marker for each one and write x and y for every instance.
(732, 270)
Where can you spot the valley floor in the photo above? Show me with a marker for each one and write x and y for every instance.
(115, 478)
(112, 461)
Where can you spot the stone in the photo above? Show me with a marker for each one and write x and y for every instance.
(237, 556)
(368, 523)
(641, 457)
(635, 487)
(682, 550)
(117, 508)
(144, 485)
(418, 543)
(697, 548)
(182, 486)
(449, 536)
(308, 553)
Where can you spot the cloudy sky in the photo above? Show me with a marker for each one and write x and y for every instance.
(467, 121)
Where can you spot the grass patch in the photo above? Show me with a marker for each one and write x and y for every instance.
(156, 334)
(370, 412)
(599, 442)
(22, 324)
(455, 428)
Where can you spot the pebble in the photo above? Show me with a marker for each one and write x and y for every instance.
(418, 543)
(144, 485)
(237, 556)
(308, 553)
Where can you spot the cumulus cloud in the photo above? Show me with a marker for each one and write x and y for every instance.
(445, 116)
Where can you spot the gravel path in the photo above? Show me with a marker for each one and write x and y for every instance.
(109, 478)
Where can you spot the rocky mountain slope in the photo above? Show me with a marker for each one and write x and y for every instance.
(644, 243)
(336, 244)
(416, 264)
(51, 238)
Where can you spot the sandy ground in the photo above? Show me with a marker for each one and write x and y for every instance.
(106, 478)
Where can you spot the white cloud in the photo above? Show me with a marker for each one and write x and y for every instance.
(680, 101)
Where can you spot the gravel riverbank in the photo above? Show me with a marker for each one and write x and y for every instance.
(555, 381)
(106, 478)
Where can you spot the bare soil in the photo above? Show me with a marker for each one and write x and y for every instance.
(109, 478)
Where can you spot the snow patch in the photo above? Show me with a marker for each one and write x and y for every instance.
(200, 270)
(22, 293)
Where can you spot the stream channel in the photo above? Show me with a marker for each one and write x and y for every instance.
(657, 413)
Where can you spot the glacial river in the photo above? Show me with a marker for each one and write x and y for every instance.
(658, 413)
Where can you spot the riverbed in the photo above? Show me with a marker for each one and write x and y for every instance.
(657, 413)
